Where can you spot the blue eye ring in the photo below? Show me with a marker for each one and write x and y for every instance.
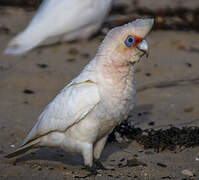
(130, 41)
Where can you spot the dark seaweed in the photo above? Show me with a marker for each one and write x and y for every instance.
(159, 140)
(21, 3)
(181, 19)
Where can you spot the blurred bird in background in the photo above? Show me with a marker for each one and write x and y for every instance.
(85, 112)
(63, 20)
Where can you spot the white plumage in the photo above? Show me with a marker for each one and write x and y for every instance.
(85, 112)
(61, 20)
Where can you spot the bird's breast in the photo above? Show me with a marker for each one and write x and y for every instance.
(117, 100)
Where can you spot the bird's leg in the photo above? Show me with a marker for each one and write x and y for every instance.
(87, 152)
(99, 146)
(92, 170)
(98, 165)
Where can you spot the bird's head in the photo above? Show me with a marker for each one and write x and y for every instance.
(127, 43)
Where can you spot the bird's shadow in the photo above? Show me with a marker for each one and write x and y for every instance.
(66, 158)
(52, 154)
(75, 159)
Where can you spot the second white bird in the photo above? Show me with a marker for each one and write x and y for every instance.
(61, 20)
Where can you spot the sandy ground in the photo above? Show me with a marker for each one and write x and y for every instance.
(172, 67)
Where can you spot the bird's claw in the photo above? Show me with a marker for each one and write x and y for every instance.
(92, 170)
(98, 165)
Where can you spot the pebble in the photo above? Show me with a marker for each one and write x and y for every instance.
(110, 167)
(188, 64)
(61, 167)
(118, 137)
(159, 19)
(197, 158)
(162, 165)
(109, 175)
(134, 162)
(71, 60)
(149, 153)
(151, 123)
(137, 70)
(73, 51)
(12, 145)
(43, 66)
(28, 91)
(189, 17)
(188, 109)
(86, 55)
(39, 169)
(148, 74)
(123, 159)
(187, 173)
(181, 47)
(166, 177)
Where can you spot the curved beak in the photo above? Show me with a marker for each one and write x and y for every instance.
(144, 47)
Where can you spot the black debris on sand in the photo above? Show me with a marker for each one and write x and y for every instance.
(28, 91)
(21, 3)
(180, 19)
(43, 66)
(173, 19)
(159, 140)
(134, 162)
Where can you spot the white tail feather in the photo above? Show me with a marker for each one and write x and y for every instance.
(21, 44)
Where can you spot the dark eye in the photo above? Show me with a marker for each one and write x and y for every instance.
(129, 42)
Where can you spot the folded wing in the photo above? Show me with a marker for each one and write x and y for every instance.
(72, 105)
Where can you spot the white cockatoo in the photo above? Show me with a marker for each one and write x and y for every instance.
(61, 20)
(85, 112)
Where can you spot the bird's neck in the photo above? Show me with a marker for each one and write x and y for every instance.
(115, 72)
(116, 80)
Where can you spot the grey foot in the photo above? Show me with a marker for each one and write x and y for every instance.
(92, 170)
(98, 165)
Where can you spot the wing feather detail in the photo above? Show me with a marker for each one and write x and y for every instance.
(70, 106)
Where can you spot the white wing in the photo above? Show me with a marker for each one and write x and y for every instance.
(71, 105)
(68, 107)
(56, 17)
